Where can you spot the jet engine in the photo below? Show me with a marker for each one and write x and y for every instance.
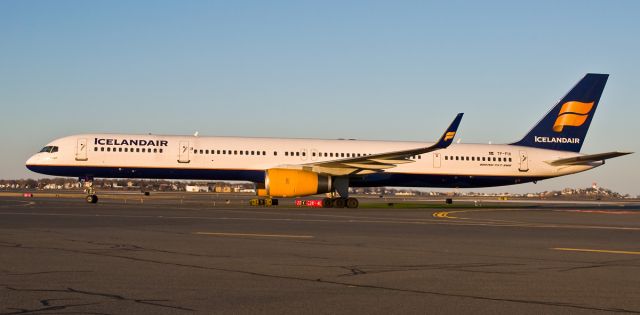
(281, 182)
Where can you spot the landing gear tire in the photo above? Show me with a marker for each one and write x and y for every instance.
(92, 199)
(327, 203)
(339, 203)
(352, 203)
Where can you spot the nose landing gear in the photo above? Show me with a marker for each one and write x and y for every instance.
(89, 190)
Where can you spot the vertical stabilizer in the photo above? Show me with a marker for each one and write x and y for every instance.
(565, 126)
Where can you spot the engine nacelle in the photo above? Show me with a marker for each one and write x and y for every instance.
(282, 182)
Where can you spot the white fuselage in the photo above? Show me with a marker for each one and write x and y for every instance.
(236, 158)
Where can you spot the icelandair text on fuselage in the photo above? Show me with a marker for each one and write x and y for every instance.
(556, 140)
(139, 142)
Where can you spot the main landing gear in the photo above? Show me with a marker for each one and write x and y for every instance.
(339, 198)
(340, 202)
(87, 183)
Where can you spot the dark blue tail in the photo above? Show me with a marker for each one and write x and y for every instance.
(565, 126)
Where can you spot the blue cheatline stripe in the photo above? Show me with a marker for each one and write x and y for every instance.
(154, 173)
(257, 176)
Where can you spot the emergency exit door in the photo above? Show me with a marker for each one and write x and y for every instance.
(81, 150)
(183, 152)
(436, 160)
(524, 161)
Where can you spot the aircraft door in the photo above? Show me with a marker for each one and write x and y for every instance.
(81, 150)
(524, 162)
(183, 152)
(436, 160)
(303, 154)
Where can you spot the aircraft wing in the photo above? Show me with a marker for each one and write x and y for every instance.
(586, 159)
(379, 162)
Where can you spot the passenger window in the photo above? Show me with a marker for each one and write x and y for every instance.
(143, 150)
(297, 153)
(155, 150)
(341, 154)
(160, 150)
(275, 153)
(108, 149)
(286, 153)
(102, 149)
(126, 149)
(206, 152)
(137, 149)
(95, 149)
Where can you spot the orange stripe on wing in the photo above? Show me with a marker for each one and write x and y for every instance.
(449, 135)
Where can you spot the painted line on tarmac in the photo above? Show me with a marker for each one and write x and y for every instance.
(443, 215)
(605, 251)
(601, 211)
(254, 235)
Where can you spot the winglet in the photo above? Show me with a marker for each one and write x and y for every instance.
(449, 134)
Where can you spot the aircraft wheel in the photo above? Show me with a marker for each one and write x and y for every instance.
(327, 203)
(92, 199)
(352, 203)
(339, 203)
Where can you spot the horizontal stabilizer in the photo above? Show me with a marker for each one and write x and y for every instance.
(586, 159)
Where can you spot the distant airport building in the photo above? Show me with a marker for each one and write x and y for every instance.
(196, 188)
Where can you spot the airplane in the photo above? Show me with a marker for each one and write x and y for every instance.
(288, 168)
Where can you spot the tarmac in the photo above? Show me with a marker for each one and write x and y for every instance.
(169, 256)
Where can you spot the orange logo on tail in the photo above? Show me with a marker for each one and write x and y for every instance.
(572, 114)
(449, 135)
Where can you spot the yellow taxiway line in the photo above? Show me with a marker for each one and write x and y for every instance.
(624, 252)
(254, 235)
(443, 214)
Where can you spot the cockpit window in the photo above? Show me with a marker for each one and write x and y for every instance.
(49, 149)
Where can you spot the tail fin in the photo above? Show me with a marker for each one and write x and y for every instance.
(565, 126)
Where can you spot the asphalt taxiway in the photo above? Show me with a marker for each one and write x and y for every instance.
(66, 256)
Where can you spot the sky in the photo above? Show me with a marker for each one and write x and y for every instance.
(387, 70)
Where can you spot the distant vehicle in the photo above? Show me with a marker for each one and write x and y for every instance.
(283, 167)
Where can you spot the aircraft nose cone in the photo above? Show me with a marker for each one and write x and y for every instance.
(33, 160)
